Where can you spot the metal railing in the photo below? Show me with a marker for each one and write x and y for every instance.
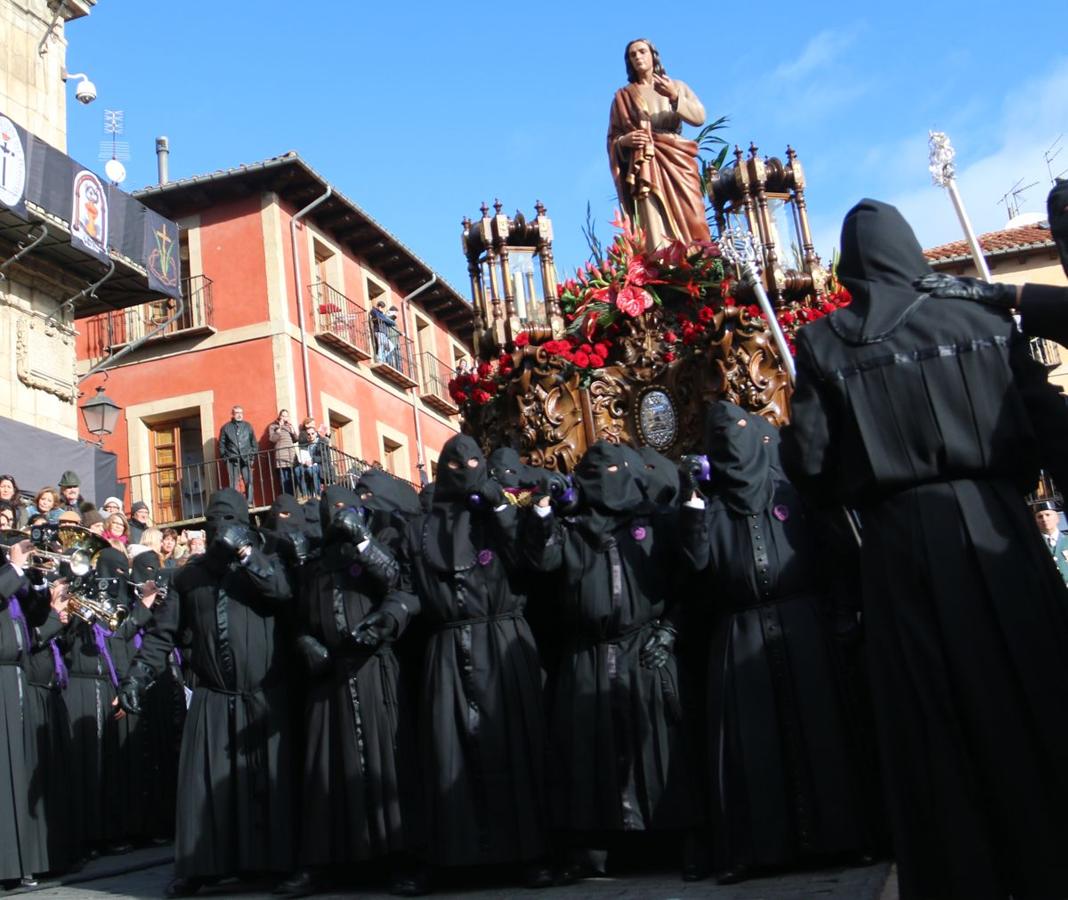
(435, 376)
(1046, 352)
(339, 318)
(179, 495)
(110, 330)
(392, 348)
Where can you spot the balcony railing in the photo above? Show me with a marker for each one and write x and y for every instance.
(1046, 352)
(434, 384)
(179, 495)
(394, 353)
(110, 331)
(340, 322)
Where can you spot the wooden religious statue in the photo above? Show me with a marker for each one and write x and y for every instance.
(653, 165)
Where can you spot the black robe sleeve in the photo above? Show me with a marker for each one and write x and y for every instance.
(1045, 406)
(269, 577)
(542, 542)
(1044, 312)
(11, 582)
(694, 542)
(139, 616)
(161, 635)
(808, 452)
(380, 566)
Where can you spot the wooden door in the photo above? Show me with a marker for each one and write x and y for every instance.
(166, 472)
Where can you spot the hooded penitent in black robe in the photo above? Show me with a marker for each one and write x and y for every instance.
(479, 719)
(618, 758)
(19, 851)
(235, 810)
(53, 804)
(96, 769)
(163, 717)
(351, 796)
(930, 418)
(127, 762)
(783, 767)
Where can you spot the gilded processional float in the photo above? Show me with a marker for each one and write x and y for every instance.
(641, 339)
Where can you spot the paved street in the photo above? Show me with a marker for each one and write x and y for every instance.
(145, 873)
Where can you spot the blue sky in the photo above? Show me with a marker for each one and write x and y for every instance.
(419, 111)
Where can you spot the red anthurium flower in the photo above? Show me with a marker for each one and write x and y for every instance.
(633, 301)
(706, 314)
(522, 339)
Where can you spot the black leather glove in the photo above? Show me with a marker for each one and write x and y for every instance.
(352, 524)
(491, 494)
(937, 284)
(375, 628)
(293, 547)
(1057, 209)
(232, 540)
(132, 688)
(316, 657)
(658, 648)
(694, 469)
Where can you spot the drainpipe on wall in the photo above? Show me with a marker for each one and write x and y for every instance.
(300, 296)
(415, 400)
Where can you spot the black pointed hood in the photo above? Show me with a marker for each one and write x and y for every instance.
(225, 507)
(739, 457)
(661, 477)
(384, 495)
(334, 498)
(505, 467)
(880, 259)
(609, 492)
(447, 543)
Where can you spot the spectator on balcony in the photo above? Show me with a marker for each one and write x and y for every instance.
(395, 340)
(308, 469)
(326, 455)
(381, 328)
(237, 445)
(139, 520)
(46, 504)
(283, 437)
(9, 491)
(70, 492)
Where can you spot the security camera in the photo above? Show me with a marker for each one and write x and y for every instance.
(85, 92)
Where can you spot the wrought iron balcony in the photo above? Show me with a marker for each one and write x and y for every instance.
(434, 384)
(340, 322)
(178, 495)
(111, 331)
(1046, 352)
(394, 357)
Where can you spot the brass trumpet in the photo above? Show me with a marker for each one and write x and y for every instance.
(92, 610)
(71, 545)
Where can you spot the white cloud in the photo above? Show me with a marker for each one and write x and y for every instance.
(818, 54)
(1026, 122)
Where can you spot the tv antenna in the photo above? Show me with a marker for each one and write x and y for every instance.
(1051, 154)
(113, 150)
(1011, 198)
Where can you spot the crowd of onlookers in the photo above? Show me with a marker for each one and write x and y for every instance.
(131, 532)
(300, 453)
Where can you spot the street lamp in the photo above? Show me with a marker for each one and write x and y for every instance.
(100, 414)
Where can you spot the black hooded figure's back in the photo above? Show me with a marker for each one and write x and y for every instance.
(929, 416)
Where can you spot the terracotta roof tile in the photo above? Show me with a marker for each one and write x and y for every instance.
(1008, 240)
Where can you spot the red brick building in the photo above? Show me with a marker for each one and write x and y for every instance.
(267, 331)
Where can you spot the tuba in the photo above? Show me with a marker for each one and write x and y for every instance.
(71, 551)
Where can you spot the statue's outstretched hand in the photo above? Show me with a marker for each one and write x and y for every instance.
(665, 86)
